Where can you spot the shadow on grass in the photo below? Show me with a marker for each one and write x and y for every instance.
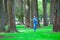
(1, 36)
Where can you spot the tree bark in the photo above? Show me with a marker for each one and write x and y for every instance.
(20, 4)
(35, 10)
(2, 18)
(27, 15)
(45, 12)
(5, 12)
(31, 15)
(11, 16)
(22, 11)
(51, 11)
(56, 26)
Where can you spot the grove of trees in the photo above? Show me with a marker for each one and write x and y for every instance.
(24, 10)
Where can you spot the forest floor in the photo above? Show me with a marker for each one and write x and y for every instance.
(43, 33)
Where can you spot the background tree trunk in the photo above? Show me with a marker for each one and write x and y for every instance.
(22, 11)
(31, 13)
(5, 11)
(20, 4)
(35, 10)
(45, 12)
(11, 16)
(2, 18)
(27, 15)
(51, 11)
(56, 26)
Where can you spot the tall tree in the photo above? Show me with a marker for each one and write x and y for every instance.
(27, 15)
(20, 6)
(11, 16)
(5, 11)
(56, 26)
(51, 11)
(22, 12)
(24, 9)
(31, 13)
(35, 10)
(45, 12)
(2, 18)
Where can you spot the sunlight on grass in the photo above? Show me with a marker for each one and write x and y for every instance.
(43, 33)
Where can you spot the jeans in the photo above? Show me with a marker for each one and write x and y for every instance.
(35, 27)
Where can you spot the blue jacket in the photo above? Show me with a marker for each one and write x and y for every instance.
(35, 21)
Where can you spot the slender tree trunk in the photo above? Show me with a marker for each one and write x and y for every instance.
(31, 15)
(2, 18)
(35, 10)
(51, 11)
(20, 4)
(22, 12)
(56, 26)
(5, 11)
(27, 15)
(11, 16)
(45, 12)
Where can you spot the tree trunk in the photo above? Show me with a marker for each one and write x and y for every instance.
(31, 15)
(22, 11)
(56, 26)
(20, 3)
(45, 12)
(51, 11)
(2, 18)
(11, 16)
(5, 11)
(35, 10)
(27, 15)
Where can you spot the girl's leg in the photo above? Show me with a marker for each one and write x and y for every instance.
(34, 27)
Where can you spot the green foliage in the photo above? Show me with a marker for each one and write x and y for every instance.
(18, 10)
(48, 1)
(48, 10)
(40, 9)
(19, 13)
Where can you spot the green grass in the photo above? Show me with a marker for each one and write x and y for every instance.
(43, 33)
